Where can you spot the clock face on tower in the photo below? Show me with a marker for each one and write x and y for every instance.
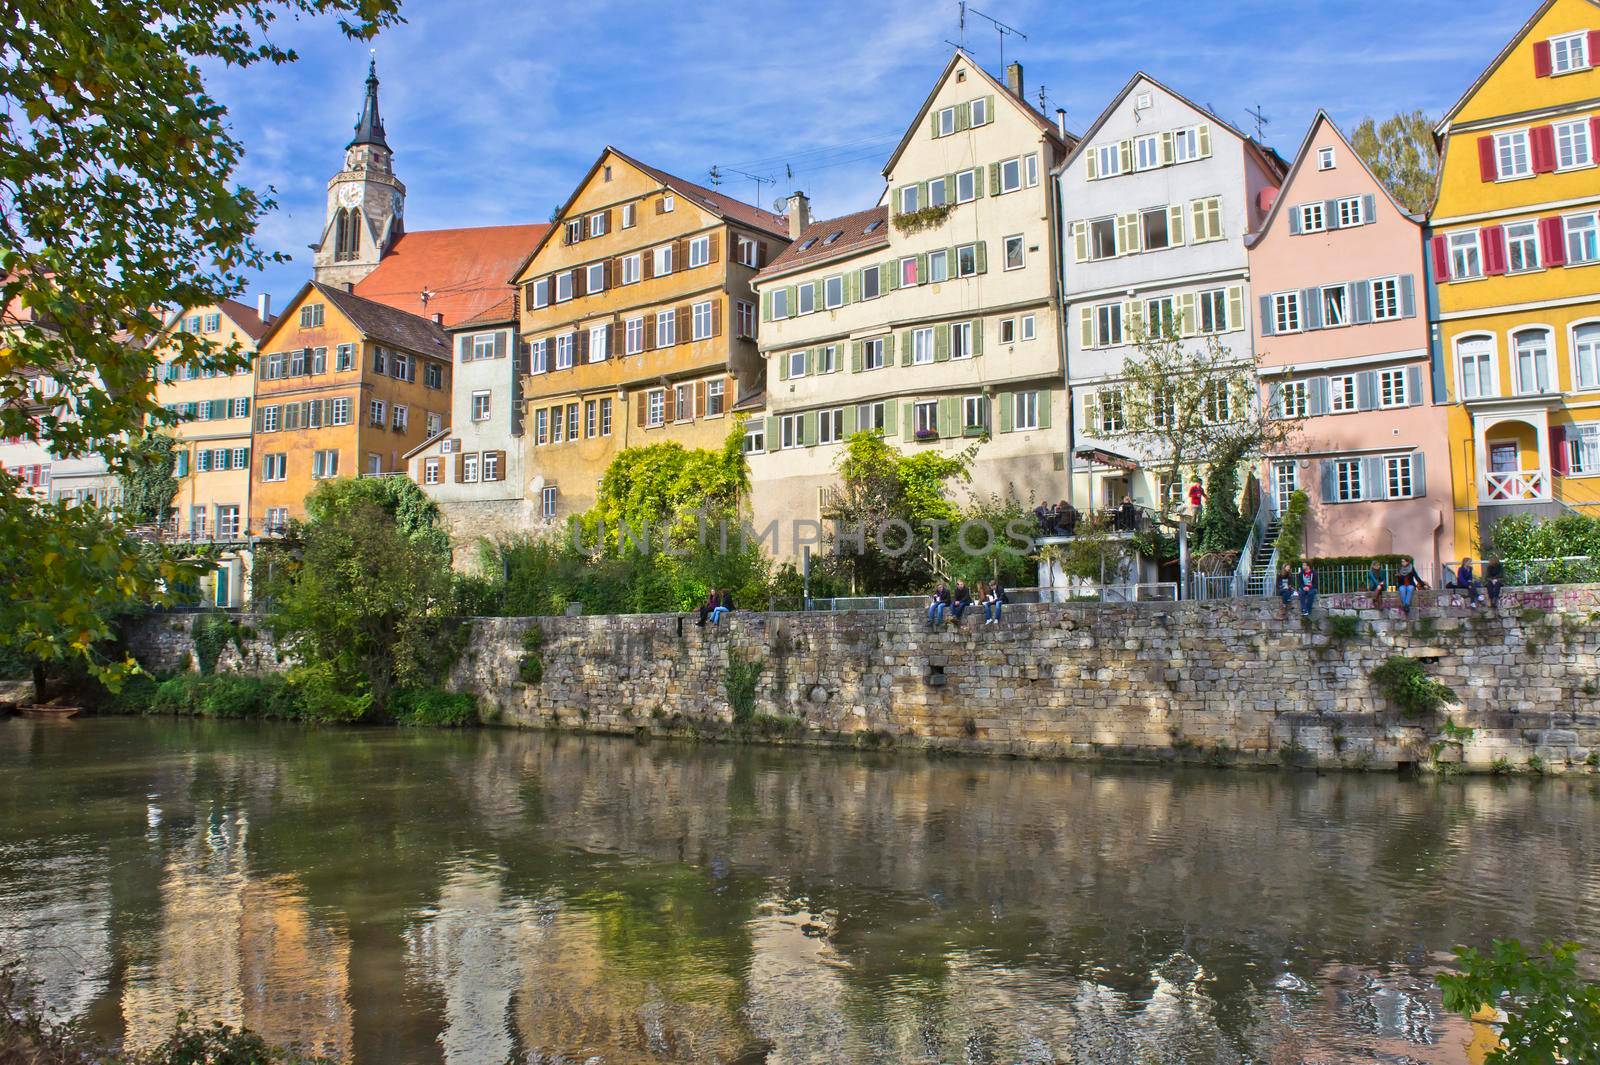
(349, 195)
(399, 203)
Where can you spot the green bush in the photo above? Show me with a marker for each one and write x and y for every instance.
(1291, 535)
(321, 696)
(1343, 627)
(1552, 1012)
(530, 667)
(432, 707)
(1403, 682)
(177, 695)
(211, 634)
(740, 684)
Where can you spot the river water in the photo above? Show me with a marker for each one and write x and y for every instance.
(394, 896)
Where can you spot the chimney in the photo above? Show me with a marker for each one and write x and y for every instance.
(438, 318)
(264, 307)
(799, 215)
(1061, 122)
(1014, 78)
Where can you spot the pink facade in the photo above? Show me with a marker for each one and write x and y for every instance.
(1342, 344)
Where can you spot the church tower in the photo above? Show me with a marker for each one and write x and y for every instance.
(366, 202)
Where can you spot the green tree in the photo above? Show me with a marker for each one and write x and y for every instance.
(1402, 153)
(1552, 1014)
(416, 517)
(147, 480)
(118, 200)
(669, 485)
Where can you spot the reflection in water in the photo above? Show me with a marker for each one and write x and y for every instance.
(389, 896)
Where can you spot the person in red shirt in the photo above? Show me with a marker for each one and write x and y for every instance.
(1197, 496)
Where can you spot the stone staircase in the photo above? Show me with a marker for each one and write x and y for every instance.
(1261, 579)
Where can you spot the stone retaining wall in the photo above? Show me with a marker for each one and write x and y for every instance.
(1226, 682)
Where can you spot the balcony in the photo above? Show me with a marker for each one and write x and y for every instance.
(1514, 486)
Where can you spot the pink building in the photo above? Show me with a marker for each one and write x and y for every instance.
(1342, 344)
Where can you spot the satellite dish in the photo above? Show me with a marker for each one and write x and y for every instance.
(780, 205)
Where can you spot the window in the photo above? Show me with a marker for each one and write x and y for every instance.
(343, 411)
(558, 425)
(1586, 353)
(241, 408)
(805, 299)
(1025, 410)
(574, 230)
(564, 286)
(375, 413)
(872, 417)
(1293, 400)
(540, 293)
(1569, 53)
(744, 314)
(491, 466)
(547, 502)
(979, 111)
(297, 362)
(324, 464)
(596, 279)
(716, 397)
(274, 467)
(1207, 219)
(400, 418)
(433, 375)
(1532, 347)
(699, 251)
(482, 346)
(480, 406)
(833, 292)
(966, 186)
(925, 418)
(630, 269)
(1522, 247)
(572, 421)
(1146, 152)
(597, 224)
(541, 426)
(1186, 144)
(1342, 393)
(938, 196)
(947, 121)
(938, 266)
(1008, 330)
(908, 200)
(755, 436)
(967, 260)
(1511, 154)
(564, 345)
(1286, 312)
(830, 426)
(701, 320)
(1108, 417)
(683, 403)
(599, 343)
(1030, 168)
(1583, 450)
(1351, 213)
(922, 347)
(1154, 231)
(434, 424)
(827, 358)
(430, 471)
(797, 363)
(630, 215)
(749, 252)
(310, 315)
(1108, 160)
(633, 336)
(1107, 325)
(1218, 402)
(227, 522)
(1385, 298)
(591, 418)
(872, 354)
(1347, 480)
(668, 204)
(1583, 238)
(1573, 148)
(1477, 367)
(1011, 175)
(1324, 158)
(1212, 306)
(662, 260)
(605, 416)
(1335, 312)
(655, 407)
(1397, 471)
(1392, 388)
(666, 328)
(1013, 246)
(538, 356)
(469, 468)
(974, 412)
(791, 431)
(1160, 316)
(1465, 259)
(961, 340)
(213, 322)
(1312, 219)
(869, 283)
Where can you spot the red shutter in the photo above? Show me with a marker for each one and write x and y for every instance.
(1594, 48)
(1559, 463)
(1594, 133)
(1493, 239)
(1441, 258)
(1543, 140)
(1541, 59)
(1488, 168)
(1553, 241)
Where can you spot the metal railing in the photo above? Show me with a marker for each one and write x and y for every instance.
(1217, 586)
(1150, 592)
(1573, 569)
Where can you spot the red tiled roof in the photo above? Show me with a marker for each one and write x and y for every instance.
(245, 318)
(854, 238)
(504, 311)
(464, 269)
(379, 321)
(729, 208)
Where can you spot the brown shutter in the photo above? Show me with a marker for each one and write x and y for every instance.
(607, 213)
(699, 399)
(715, 242)
(716, 316)
(459, 471)
(580, 350)
(500, 466)
(669, 404)
(647, 265)
(661, 208)
(649, 331)
(616, 270)
(682, 333)
(638, 408)
(761, 253)
(680, 254)
(607, 277)
(578, 276)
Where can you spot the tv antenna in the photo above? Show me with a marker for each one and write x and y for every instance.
(718, 174)
(1000, 28)
(1261, 120)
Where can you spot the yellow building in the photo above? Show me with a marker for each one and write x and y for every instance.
(1515, 255)
(640, 324)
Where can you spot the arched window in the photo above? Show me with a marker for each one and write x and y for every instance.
(1586, 353)
(346, 235)
(1476, 358)
(1532, 349)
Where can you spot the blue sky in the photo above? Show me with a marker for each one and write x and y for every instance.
(495, 110)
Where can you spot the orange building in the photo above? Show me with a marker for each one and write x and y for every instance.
(640, 323)
(343, 386)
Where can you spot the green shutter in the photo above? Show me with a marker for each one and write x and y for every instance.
(922, 267)
(766, 306)
(808, 428)
(922, 194)
(909, 422)
(994, 179)
(1004, 400)
(941, 343)
(949, 416)
(885, 277)
(891, 277)
(933, 123)
(983, 257)
(1085, 327)
(977, 181)
(774, 441)
(890, 409)
(977, 337)
(855, 356)
(964, 116)
(850, 420)
(988, 110)
(1044, 408)
(791, 300)
(906, 348)
(811, 361)
(888, 352)
(783, 366)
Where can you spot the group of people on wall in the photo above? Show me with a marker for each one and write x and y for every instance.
(1300, 586)
(948, 603)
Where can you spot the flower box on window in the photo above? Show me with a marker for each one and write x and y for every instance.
(925, 435)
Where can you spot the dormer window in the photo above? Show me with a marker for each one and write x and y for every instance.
(835, 235)
(873, 226)
(807, 246)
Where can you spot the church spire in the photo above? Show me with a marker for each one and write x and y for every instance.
(369, 128)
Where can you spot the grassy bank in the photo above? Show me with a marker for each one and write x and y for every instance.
(293, 697)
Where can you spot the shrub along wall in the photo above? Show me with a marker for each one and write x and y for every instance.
(1229, 682)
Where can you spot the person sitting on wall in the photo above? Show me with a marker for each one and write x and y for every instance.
(994, 600)
(1406, 582)
(1376, 582)
(1286, 587)
(960, 602)
(1494, 579)
(1047, 519)
(723, 607)
(1466, 580)
(707, 607)
(938, 603)
(1066, 518)
(1307, 582)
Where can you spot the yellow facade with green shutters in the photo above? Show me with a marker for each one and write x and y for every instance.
(1515, 256)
